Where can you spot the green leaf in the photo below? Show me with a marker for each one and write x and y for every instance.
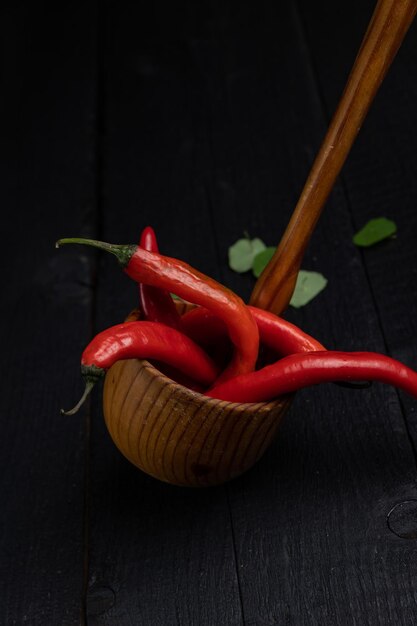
(307, 287)
(261, 260)
(374, 231)
(243, 252)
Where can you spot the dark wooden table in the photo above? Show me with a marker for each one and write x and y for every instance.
(201, 119)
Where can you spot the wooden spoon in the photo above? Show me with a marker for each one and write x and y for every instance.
(180, 436)
(386, 31)
(186, 438)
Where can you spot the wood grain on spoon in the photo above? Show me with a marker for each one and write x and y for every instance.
(386, 31)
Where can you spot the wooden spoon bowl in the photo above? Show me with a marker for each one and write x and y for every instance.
(180, 436)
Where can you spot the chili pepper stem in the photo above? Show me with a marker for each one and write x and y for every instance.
(91, 374)
(88, 387)
(123, 253)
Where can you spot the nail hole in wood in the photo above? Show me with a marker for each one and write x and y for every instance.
(402, 519)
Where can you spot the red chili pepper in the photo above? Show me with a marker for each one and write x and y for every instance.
(157, 304)
(143, 340)
(279, 335)
(275, 332)
(180, 278)
(297, 371)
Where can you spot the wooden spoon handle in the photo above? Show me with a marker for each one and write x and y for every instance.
(387, 28)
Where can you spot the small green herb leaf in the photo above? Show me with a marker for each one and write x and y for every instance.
(243, 252)
(374, 231)
(261, 260)
(308, 286)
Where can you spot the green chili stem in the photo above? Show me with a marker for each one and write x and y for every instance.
(123, 253)
(91, 374)
(88, 387)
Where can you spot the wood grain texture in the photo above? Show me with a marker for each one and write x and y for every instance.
(180, 436)
(211, 116)
(166, 552)
(47, 188)
(227, 119)
(322, 493)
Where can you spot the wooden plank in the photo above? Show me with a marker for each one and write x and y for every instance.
(310, 521)
(47, 191)
(214, 123)
(158, 554)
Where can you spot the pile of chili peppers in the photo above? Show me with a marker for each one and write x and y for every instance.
(215, 347)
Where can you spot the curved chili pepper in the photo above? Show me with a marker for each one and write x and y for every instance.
(297, 371)
(180, 278)
(278, 334)
(157, 304)
(143, 340)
